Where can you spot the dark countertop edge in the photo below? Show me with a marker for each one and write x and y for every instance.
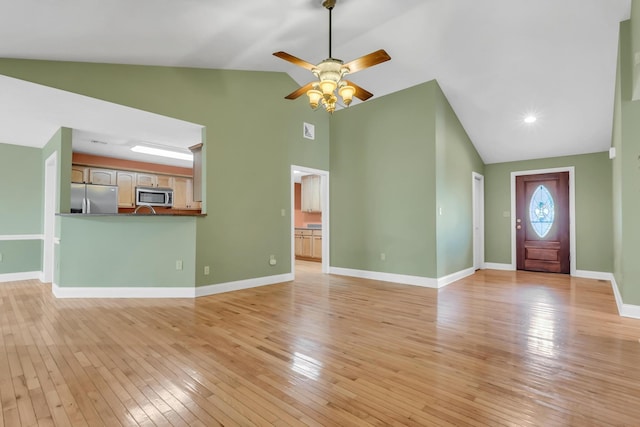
(80, 215)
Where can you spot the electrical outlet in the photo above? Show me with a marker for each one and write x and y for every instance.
(272, 260)
(179, 264)
(206, 270)
(283, 212)
(383, 256)
(0, 256)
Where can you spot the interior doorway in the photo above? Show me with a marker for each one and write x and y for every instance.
(50, 196)
(478, 220)
(310, 230)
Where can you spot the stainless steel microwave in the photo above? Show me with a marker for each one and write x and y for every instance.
(154, 196)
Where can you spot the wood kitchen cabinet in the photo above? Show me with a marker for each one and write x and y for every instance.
(316, 245)
(308, 244)
(164, 181)
(310, 198)
(126, 182)
(102, 176)
(79, 174)
(297, 239)
(146, 180)
(183, 194)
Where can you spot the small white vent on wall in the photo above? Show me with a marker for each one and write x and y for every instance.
(308, 131)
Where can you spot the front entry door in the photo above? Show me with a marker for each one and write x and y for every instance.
(542, 222)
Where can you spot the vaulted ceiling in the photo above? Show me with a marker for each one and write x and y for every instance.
(496, 60)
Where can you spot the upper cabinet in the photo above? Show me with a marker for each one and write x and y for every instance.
(183, 194)
(102, 176)
(79, 174)
(311, 194)
(126, 189)
(146, 180)
(165, 181)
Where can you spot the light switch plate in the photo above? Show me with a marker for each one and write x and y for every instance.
(179, 264)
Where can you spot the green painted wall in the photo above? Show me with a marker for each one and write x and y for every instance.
(20, 190)
(253, 136)
(593, 183)
(20, 256)
(394, 161)
(635, 48)
(456, 159)
(383, 184)
(627, 171)
(60, 142)
(110, 251)
(20, 208)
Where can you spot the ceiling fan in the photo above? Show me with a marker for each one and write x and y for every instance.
(330, 74)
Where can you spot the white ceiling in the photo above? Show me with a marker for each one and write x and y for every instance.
(496, 60)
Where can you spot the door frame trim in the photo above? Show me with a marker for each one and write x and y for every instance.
(49, 219)
(478, 219)
(572, 212)
(324, 201)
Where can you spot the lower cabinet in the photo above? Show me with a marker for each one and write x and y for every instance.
(308, 244)
(316, 245)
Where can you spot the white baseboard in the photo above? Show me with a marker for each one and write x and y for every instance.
(598, 275)
(446, 280)
(122, 292)
(498, 266)
(404, 279)
(242, 284)
(14, 277)
(625, 310)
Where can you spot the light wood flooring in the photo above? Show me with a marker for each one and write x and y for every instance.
(497, 348)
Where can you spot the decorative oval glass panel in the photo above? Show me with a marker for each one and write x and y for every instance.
(541, 211)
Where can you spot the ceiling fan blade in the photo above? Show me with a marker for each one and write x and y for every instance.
(301, 91)
(361, 94)
(367, 61)
(295, 60)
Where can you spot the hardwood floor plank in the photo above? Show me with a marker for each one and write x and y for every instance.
(496, 348)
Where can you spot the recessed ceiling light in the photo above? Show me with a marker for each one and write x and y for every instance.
(530, 119)
(162, 153)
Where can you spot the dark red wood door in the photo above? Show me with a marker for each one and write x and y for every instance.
(542, 222)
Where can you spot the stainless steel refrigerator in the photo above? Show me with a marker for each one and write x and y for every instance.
(94, 199)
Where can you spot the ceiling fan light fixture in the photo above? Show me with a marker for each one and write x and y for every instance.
(328, 86)
(330, 103)
(314, 97)
(346, 92)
